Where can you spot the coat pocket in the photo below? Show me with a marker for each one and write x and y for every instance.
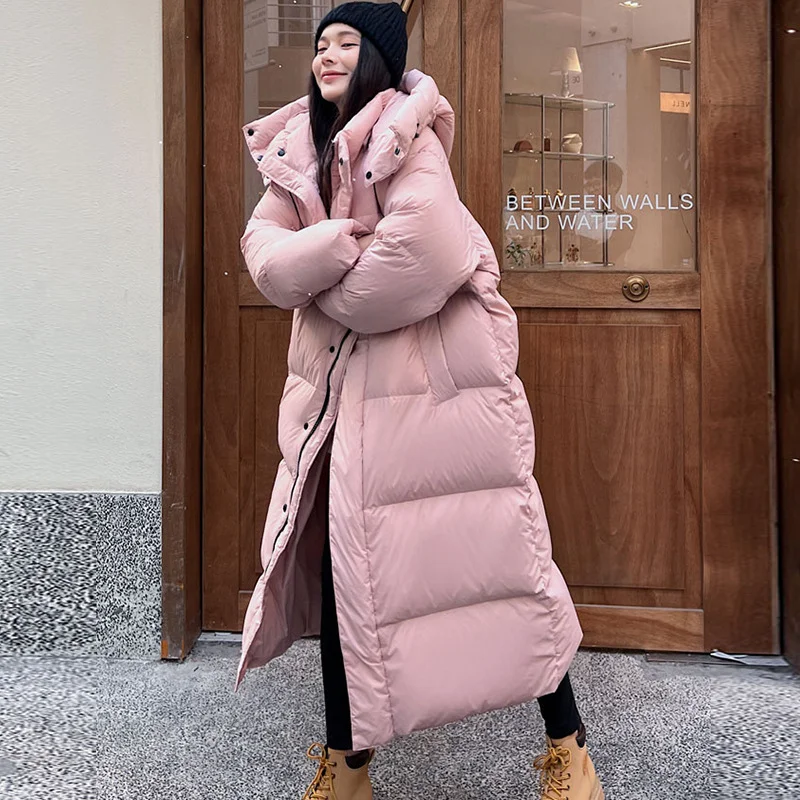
(440, 379)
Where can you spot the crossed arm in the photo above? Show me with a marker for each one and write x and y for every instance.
(422, 251)
(290, 265)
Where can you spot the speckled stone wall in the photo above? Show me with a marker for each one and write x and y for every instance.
(80, 574)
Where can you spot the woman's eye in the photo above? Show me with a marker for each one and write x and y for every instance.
(346, 44)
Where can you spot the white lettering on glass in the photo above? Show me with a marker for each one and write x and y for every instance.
(583, 212)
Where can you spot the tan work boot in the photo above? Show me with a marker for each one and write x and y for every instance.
(567, 772)
(334, 779)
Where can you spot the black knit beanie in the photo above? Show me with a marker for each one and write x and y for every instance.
(384, 24)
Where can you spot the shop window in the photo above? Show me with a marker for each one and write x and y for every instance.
(599, 135)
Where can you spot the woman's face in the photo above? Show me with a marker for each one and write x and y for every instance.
(335, 61)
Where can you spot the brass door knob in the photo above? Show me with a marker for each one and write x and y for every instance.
(636, 288)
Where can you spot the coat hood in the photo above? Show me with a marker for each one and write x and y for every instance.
(387, 124)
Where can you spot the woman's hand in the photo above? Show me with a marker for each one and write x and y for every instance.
(365, 241)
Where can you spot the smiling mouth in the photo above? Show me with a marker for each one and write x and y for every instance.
(333, 75)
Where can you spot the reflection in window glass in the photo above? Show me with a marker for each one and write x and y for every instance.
(278, 49)
(599, 134)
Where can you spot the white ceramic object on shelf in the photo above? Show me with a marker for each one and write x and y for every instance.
(571, 143)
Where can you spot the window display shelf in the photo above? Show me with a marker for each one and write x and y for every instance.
(554, 101)
(556, 246)
(567, 210)
(537, 154)
(565, 266)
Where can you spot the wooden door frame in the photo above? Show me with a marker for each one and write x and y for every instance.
(739, 508)
(737, 364)
(182, 326)
(787, 308)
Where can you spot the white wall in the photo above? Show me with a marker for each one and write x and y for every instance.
(80, 245)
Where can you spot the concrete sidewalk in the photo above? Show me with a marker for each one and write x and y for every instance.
(100, 728)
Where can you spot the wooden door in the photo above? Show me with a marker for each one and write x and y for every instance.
(257, 57)
(654, 416)
(646, 355)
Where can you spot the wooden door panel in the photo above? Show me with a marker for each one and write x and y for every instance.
(667, 629)
(265, 334)
(617, 458)
(272, 343)
(611, 428)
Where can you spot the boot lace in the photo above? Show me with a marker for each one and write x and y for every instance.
(552, 765)
(322, 785)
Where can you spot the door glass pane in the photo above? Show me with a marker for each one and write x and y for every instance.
(599, 135)
(278, 50)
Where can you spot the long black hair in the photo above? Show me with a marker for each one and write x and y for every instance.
(370, 76)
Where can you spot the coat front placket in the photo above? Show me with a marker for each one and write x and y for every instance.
(341, 180)
(304, 191)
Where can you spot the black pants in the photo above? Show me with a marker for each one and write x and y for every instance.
(559, 709)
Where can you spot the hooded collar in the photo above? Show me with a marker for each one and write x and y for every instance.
(282, 145)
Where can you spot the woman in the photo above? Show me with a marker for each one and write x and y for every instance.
(420, 504)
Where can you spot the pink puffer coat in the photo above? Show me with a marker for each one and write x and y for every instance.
(448, 600)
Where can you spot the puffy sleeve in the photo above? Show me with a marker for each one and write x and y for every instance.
(423, 250)
(289, 264)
